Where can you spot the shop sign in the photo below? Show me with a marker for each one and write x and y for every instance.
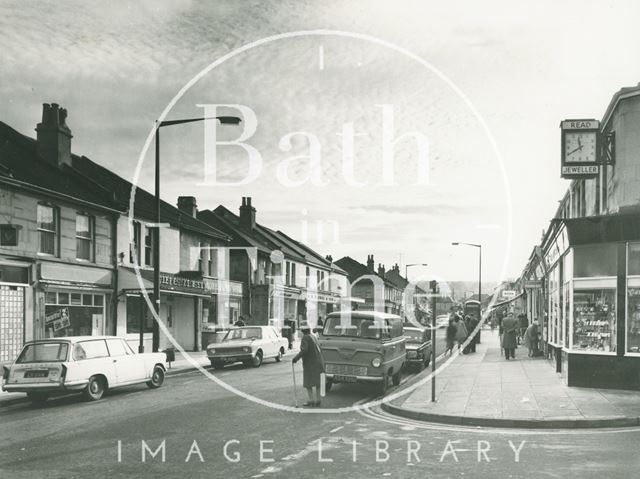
(580, 148)
(508, 294)
(180, 281)
(321, 297)
(218, 286)
(60, 319)
(532, 283)
(633, 291)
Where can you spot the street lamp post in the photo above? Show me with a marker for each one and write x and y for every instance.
(479, 246)
(224, 120)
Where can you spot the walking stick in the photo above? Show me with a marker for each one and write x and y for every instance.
(295, 393)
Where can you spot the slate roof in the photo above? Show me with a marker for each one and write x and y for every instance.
(144, 205)
(264, 239)
(21, 165)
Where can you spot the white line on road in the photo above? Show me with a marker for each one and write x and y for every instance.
(336, 429)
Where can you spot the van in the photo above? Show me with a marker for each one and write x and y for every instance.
(363, 347)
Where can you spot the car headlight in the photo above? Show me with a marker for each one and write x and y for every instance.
(376, 362)
(246, 349)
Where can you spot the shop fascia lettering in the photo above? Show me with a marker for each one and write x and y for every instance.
(171, 280)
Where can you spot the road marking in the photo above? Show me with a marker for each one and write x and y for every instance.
(336, 429)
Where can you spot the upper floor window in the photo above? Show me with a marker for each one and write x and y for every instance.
(293, 274)
(48, 229)
(148, 246)
(134, 247)
(84, 237)
(287, 279)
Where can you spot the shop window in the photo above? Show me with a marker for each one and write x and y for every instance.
(595, 261)
(210, 310)
(82, 316)
(84, 237)
(48, 220)
(594, 319)
(633, 316)
(137, 307)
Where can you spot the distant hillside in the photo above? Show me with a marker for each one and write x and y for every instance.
(459, 290)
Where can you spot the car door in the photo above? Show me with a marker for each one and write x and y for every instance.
(92, 357)
(128, 367)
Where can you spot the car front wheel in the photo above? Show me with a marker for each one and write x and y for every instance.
(396, 378)
(256, 362)
(95, 388)
(157, 378)
(280, 355)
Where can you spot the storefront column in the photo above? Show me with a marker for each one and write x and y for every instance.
(621, 310)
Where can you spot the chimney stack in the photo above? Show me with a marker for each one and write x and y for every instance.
(188, 205)
(380, 269)
(247, 214)
(54, 136)
(370, 263)
(329, 258)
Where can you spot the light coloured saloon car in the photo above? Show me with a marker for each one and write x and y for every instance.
(249, 344)
(87, 364)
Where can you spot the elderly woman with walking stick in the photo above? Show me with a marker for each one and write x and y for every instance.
(312, 364)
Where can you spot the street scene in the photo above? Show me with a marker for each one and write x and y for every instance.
(273, 239)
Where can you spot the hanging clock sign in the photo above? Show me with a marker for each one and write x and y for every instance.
(580, 148)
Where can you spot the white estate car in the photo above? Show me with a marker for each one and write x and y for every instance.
(87, 364)
(249, 344)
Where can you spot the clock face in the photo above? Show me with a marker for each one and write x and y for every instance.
(580, 146)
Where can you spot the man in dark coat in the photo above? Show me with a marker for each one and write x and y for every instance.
(312, 364)
(510, 336)
(472, 323)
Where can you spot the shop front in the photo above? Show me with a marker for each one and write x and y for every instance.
(593, 283)
(73, 301)
(15, 307)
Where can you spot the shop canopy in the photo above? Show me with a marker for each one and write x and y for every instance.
(506, 301)
(602, 229)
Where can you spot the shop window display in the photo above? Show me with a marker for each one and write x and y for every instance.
(594, 320)
(633, 320)
(75, 319)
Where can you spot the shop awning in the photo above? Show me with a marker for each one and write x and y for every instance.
(506, 301)
(602, 229)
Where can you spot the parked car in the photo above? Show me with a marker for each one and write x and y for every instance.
(249, 344)
(418, 347)
(365, 346)
(87, 364)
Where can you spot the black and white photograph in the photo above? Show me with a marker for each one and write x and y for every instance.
(319, 238)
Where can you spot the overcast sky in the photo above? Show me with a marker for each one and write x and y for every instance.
(523, 66)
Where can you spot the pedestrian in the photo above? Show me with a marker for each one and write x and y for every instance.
(319, 325)
(523, 324)
(531, 338)
(461, 331)
(312, 364)
(450, 337)
(240, 322)
(510, 336)
(471, 325)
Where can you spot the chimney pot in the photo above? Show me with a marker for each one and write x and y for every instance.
(188, 205)
(247, 214)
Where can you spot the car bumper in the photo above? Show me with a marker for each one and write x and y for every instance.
(340, 378)
(45, 387)
(230, 358)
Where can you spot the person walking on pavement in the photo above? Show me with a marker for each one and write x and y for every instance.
(531, 338)
(510, 336)
(450, 337)
(312, 364)
(461, 331)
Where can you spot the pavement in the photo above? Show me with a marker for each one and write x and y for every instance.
(484, 389)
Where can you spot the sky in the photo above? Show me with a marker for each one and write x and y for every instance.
(481, 87)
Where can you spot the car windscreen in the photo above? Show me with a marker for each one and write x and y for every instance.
(413, 336)
(358, 327)
(244, 333)
(43, 353)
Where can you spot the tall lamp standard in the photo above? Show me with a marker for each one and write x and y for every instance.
(479, 246)
(224, 120)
